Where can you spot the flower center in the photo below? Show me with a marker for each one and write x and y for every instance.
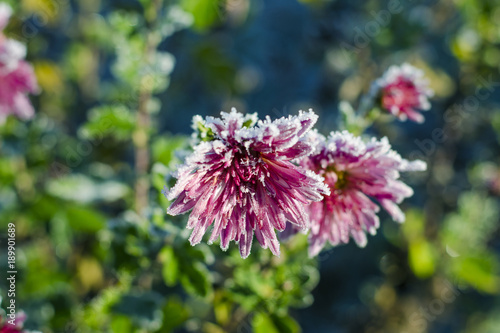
(341, 181)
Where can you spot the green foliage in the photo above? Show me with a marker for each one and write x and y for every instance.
(496, 123)
(115, 121)
(164, 149)
(203, 133)
(170, 269)
(463, 244)
(422, 255)
(205, 12)
(87, 262)
(175, 313)
(185, 264)
(83, 189)
(267, 284)
(263, 323)
(466, 235)
(422, 258)
(143, 308)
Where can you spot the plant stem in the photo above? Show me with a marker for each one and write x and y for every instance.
(141, 141)
(142, 133)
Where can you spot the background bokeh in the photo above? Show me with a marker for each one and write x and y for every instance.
(121, 81)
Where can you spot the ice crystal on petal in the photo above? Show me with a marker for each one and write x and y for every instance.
(358, 174)
(403, 91)
(243, 183)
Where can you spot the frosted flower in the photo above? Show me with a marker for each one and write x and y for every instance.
(17, 78)
(359, 174)
(402, 91)
(242, 180)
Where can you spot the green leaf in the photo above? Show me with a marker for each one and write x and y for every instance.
(222, 307)
(116, 121)
(83, 189)
(349, 120)
(61, 234)
(79, 58)
(195, 278)
(175, 19)
(164, 148)
(422, 258)
(170, 270)
(203, 132)
(121, 324)
(205, 12)
(144, 308)
(285, 324)
(85, 219)
(414, 226)
(460, 234)
(479, 271)
(248, 123)
(175, 313)
(262, 323)
(130, 63)
(123, 22)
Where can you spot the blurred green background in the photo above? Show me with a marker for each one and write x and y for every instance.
(121, 81)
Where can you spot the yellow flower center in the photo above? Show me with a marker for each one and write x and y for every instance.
(342, 180)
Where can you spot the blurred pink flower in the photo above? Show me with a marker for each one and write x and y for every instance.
(243, 181)
(17, 78)
(6, 327)
(403, 91)
(358, 174)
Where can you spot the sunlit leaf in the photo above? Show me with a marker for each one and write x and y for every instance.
(422, 258)
(262, 323)
(170, 270)
(481, 272)
(205, 12)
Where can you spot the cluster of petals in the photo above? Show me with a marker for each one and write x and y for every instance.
(17, 78)
(243, 180)
(360, 175)
(403, 91)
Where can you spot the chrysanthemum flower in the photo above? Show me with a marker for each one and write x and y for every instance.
(17, 78)
(359, 174)
(242, 180)
(7, 327)
(403, 91)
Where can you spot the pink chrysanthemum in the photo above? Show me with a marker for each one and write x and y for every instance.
(17, 78)
(243, 181)
(403, 91)
(358, 174)
(7, 327)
